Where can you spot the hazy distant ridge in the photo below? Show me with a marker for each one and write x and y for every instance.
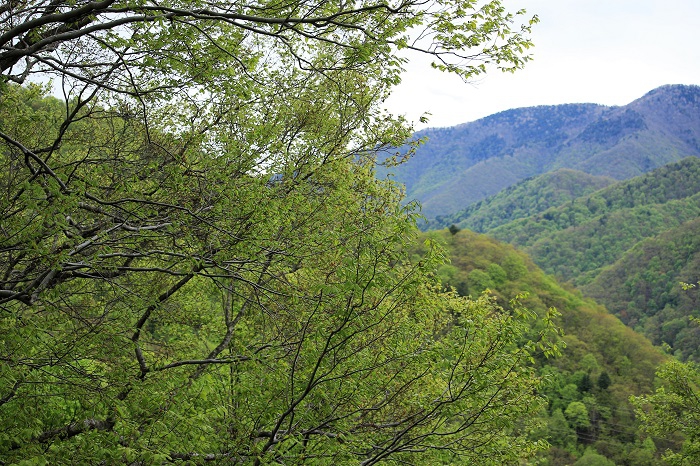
(463, 164)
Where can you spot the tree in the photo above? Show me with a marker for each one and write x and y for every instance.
(585, 383)
(592, 458)
(197, 261)
(674, 408)
(604, 381)
(577, 414)
(479, 281)
(560, 433)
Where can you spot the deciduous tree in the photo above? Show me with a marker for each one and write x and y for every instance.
(674, 409)
(197, 262)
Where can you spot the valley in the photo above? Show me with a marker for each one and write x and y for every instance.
(594, 212)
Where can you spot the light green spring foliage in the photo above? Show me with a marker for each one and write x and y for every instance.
(601, 363)
(197, 262)
(674, 408)
(591, 458)
(303, 335)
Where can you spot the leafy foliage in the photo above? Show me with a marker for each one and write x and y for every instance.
(673, 409)
(198, 263)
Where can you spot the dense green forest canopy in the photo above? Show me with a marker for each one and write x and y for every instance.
(643, 288)
(198, 263)
(628, 245)
(602, 364)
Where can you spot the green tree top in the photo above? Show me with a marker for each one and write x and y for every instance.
(197, 262)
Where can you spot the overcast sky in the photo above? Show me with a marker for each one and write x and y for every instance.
(601, 51)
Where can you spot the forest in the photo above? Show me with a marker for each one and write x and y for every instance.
(628, 244)
(602, 362)
(199, 263)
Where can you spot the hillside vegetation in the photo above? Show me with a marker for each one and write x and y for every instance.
(642, 288)
(604, 361)
(628, 245)
(527, 197)
(198, 264)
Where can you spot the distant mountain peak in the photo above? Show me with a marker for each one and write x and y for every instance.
(675, 89)
(463, 164)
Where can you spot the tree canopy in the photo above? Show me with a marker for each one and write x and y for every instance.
(674, 409)
(602, 362)
(197, 262)
(262, 88)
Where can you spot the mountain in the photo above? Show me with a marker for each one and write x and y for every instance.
(460, 165)
(525, 198)
(576, 240)
(628, 245)
(642, 288)
(603, 363)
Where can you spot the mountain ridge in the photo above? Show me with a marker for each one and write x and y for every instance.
(527, 197)
(598, 347)
(463, 164)
(627, 245)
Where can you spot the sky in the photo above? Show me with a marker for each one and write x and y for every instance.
(608, 52)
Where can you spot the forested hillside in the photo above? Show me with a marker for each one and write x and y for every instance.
(643, 289)
(461, 165)
(604, 361)
(526, 198)
(628, 245)
(200, 265)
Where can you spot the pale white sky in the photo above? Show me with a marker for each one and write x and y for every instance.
(601, 51)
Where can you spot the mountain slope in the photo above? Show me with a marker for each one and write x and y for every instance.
(603, 364)
(574, 241)
(628, 245)
(527, 197)
(461, 165)
(643, 289)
